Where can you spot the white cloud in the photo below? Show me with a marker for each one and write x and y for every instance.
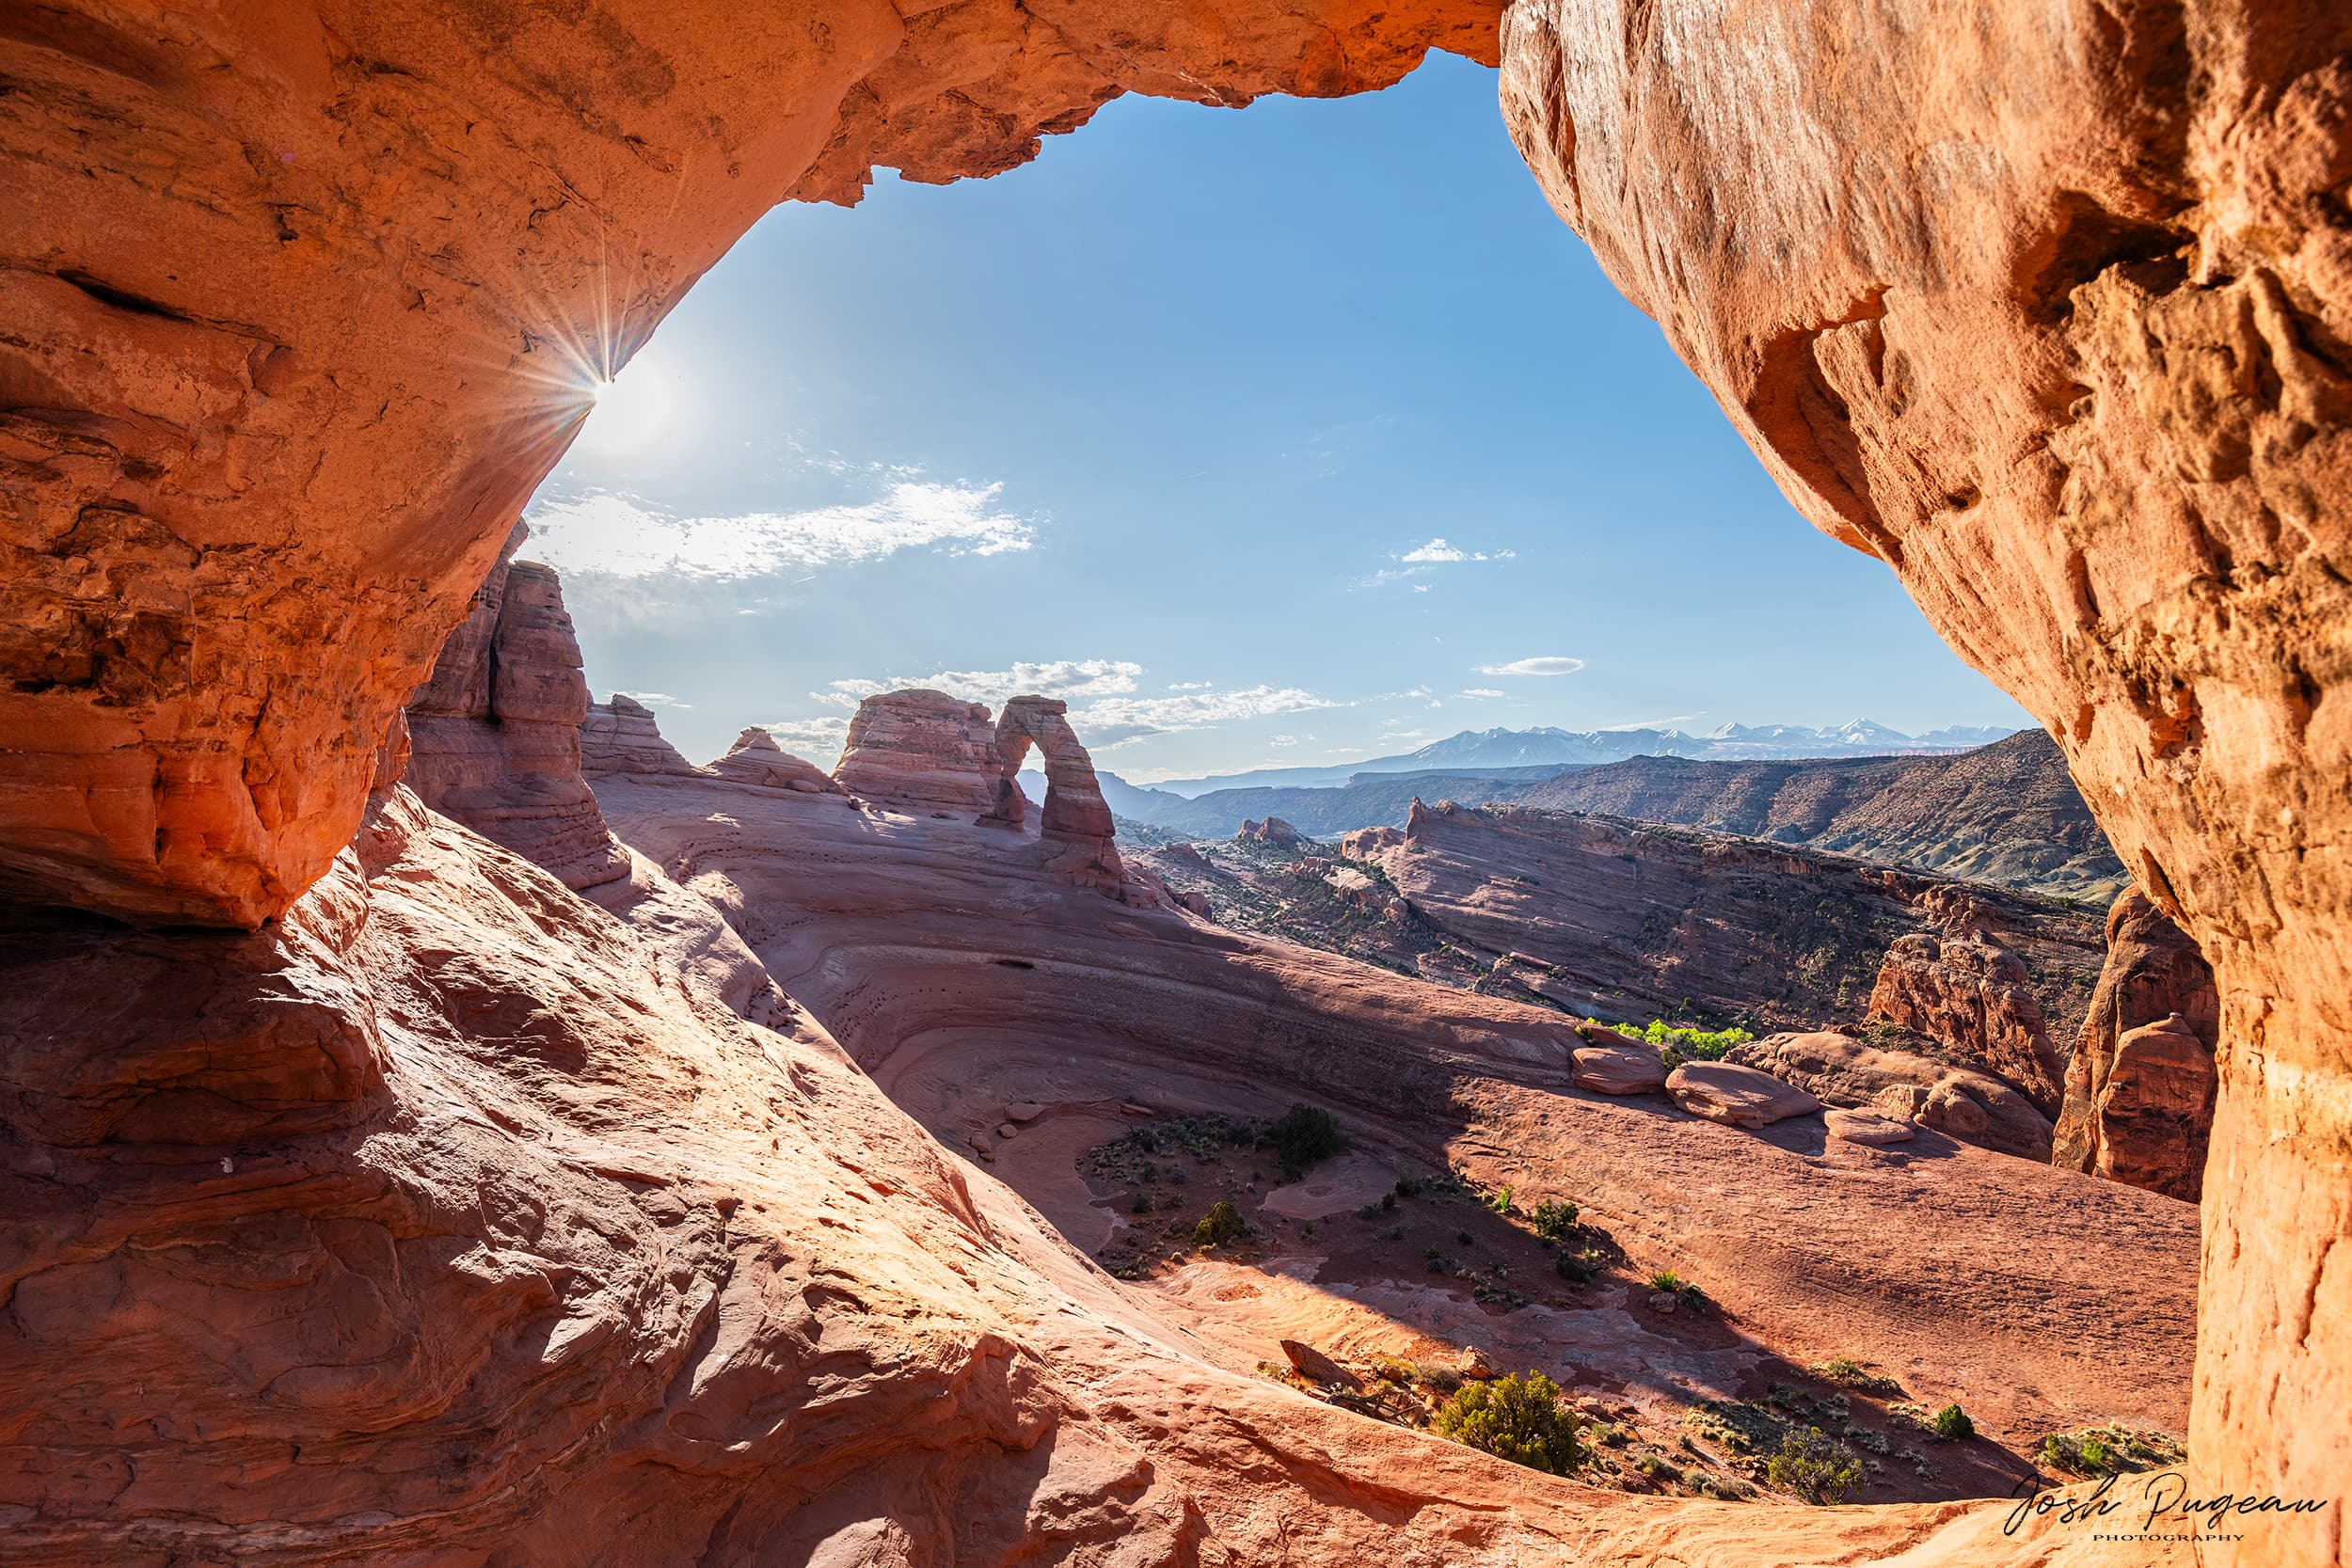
(618, 535)
(1285, 740)
(1065, 678)
(1549, 665)
(1481, 691)
(809, 736)
(654, 699)
(1428, 557)
(1117, 721)
(1102, 710)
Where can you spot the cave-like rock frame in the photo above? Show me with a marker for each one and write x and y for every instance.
(2046, 306)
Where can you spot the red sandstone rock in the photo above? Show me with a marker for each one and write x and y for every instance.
(1866, 1127)
(621, 736)
(1273, 831)
(2042, 305)
(1618, 1070)
(2154, 973)
(2063, 351)
(1631, 918)
(756, 759)
(1075, 825)
(1977, 1000)
(922, 750)
(1838, 1069)
(493, 736)
(1737, 1096)
(2153, 1107)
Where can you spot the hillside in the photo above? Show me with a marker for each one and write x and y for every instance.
(2008, 813)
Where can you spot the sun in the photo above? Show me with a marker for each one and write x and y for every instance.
(633, 412)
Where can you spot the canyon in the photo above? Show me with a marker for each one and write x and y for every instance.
(2005, 813)
(377, 1192)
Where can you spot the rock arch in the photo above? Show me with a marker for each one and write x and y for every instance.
(1075, 822)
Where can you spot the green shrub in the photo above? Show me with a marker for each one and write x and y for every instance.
(1952, 1424)
(1142, 1204)
(1305, 1137)
(1514, 1418)
(1554, 1221)
(1568, 1268)
(1813, 1465)
(1500, 1203)
(1679, 1045)
(1220, 1225)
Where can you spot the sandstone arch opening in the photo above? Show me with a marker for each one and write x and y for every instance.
(249, 517)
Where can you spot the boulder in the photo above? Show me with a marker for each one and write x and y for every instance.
(1737, 1096)
(1838, 1069)
(1866, 1127)
(1272, 830)
(1618, 1070)
(1315, 1367)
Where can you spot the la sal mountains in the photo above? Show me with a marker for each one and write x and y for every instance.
(1477, 752)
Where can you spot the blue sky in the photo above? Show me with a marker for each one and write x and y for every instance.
(1276, 437)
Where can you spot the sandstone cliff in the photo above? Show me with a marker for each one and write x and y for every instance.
(493, 736)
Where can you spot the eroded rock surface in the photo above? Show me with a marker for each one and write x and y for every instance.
(1841, 1070)
(1637, 921)
(2152, 1128)
(922, 750)
(2046, 307)
(756, 759)
(2067, 354)
(1978, 1001)
(621, 736)
(493, 736)
(1074, 824)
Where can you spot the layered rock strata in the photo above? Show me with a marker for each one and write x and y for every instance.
(621, 736)
(1841, 1070)
(2066, 355)
(2150, 1126)
(493, 736)
(922, 750)
(1633, 921)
